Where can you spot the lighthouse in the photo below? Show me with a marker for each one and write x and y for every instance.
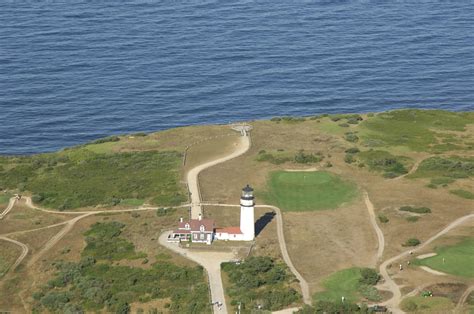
(247, 215)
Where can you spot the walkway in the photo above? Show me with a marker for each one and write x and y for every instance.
(192, 177)
(211, 261)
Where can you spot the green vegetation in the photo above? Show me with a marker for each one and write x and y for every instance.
(79, 178)
(443, 181)
(352, 284)
(351, 137)
(463, 193)
(306, 191)
(419, 130)
(382, 161)
(456, 259)
(418, 210)
(383, 219)
(288, 119)
(412, 218)
(411, 242)
(5, 198)
(334, 307)
(421, 304)
(104, 242)
(280, 157)
(260, 281)
(445, 167)
(92, 286)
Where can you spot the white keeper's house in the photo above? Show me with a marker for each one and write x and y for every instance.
(204, 231)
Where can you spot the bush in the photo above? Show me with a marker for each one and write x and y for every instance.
(352, 121)
(275, 119)
(383, 218)
(349, 158)
(344, 125)
(418, 210)
(411, 242)
(412, 218)
(106, 140)
(369, 276)
(37, 198)
(351, 137)
(352, 150)
(302, 158)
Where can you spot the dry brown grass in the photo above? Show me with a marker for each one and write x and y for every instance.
(24, 218)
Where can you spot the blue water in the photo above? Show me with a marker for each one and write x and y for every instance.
(73, 71)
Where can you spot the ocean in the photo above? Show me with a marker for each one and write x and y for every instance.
(74, 71)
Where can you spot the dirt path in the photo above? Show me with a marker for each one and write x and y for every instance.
(192, 176)
(378, 231)
(413, 169)
(390, 285)
(211, 261)
(463, 299)
(284, 251)
(56, 238)
(24, 251)
(10, 205)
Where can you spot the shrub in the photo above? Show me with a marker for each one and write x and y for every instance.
(412, 218)
(369, 276)
(383, 218)
(302, 158)
(139, 134)
(463, 193)
(106, 140)
(275, 119)
(352, 150)
(352, 121)
(344, 125)
(418, 210)
(351, 137)
(349, 158)
(37, 198)
(328, 164)
(411, 242)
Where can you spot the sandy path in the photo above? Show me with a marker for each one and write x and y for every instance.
(378, 231)
(242, 147)
(390, 285)
(432, 271)
(211, 261)
(423, 256)
(24, 251)
(56, 238)
(284, 251)
(463, 298)
(11, 203)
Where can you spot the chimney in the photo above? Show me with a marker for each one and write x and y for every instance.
(180, 219)
(200, 217)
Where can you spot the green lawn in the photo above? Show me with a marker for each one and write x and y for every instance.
(343, 283)
(354, 284)
(306, 191)
(458, 259)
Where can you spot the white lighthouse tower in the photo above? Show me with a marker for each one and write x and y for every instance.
(247, 215)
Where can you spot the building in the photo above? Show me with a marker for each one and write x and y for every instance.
(204, 231)
(195, 230)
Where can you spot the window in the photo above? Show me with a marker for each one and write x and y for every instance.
(186, 226)
(202, 236)
(202, 228)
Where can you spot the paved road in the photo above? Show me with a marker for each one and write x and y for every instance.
(284, 251)
(211, 261)
(390, 285)
(10, 205)
(243, 146)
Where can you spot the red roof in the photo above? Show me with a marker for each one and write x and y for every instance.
(229, 230)
(195, 225)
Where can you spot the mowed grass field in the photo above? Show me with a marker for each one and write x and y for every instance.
(458, 259)
(307, 191)
(342, 283)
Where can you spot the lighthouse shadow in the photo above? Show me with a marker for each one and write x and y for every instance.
(263, 221)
